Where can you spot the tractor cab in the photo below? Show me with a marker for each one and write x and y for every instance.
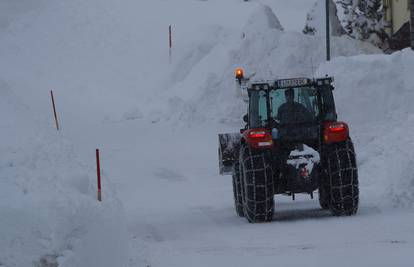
(294, 109)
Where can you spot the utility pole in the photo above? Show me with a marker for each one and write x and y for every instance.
(328, 42)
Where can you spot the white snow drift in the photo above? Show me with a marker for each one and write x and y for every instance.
(49, 212)
(208, 92)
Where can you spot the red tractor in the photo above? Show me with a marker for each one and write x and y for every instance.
(292, 143)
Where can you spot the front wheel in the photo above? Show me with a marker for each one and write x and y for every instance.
(342, 179)
(257, 185)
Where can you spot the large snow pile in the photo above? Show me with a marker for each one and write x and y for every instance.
(375, 95)
(208, 91)
(49, 213)
(316, 20)
(290, 13)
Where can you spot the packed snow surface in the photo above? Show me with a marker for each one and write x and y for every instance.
(156, 125)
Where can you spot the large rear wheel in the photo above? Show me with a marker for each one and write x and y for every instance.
(257, 185)
(342, 179)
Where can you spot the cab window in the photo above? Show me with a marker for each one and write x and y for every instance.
(258, 109)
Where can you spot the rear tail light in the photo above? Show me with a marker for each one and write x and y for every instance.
(259, 134)
(335, 132)
(258, 138)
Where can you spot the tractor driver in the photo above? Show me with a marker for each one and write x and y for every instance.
(291, 111)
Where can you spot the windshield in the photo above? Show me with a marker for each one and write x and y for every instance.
(288, 106)
(294, 105)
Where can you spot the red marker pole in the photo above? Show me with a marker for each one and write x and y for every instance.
(98, 174)
(170, 42)
(54, 110)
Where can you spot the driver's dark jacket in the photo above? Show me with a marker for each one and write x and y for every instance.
(293, 113)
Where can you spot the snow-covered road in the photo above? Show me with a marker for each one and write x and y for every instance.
(180, 211)
(156, 125)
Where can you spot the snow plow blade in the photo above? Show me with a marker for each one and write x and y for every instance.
(229, 146)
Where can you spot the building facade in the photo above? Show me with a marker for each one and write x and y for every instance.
(399, 16)
(412, 24)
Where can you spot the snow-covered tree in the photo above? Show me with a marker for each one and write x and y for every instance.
(364, 20)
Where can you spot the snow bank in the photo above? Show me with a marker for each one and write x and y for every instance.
(293, 12)
(316, 20)
(49, 215)
(375, 95)
(208, 91)
(262, 18)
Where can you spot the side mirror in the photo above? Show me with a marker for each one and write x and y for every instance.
(246, 118)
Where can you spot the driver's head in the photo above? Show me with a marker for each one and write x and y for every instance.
(289, 95)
